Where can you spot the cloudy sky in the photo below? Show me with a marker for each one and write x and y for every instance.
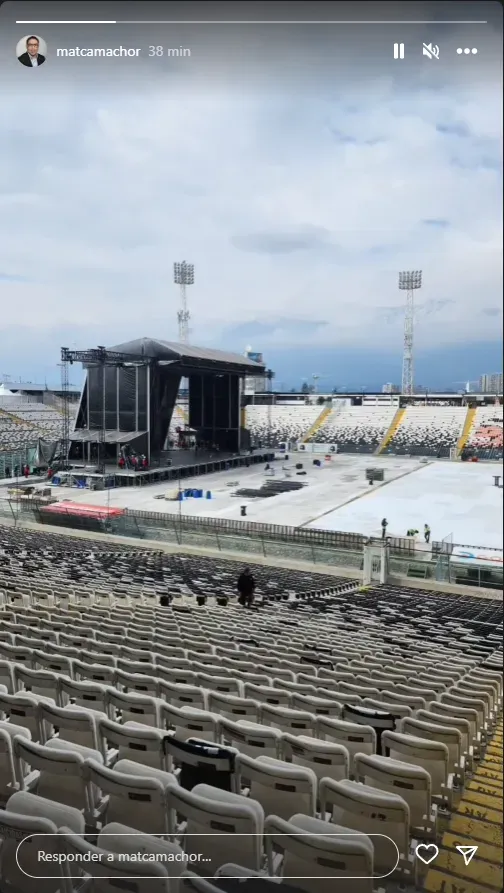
(297, 198)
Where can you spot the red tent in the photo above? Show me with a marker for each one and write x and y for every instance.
(98, 512)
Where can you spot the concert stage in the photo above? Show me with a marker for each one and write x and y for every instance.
(129, 395)
(204, 463)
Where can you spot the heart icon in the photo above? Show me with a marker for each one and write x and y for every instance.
(427, 852)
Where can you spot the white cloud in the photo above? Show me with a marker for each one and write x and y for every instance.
(100, 193)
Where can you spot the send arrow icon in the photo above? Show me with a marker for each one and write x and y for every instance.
(467, 852)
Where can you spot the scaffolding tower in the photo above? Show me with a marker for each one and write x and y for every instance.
(66, 412)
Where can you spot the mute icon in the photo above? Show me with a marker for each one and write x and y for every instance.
(432, 52)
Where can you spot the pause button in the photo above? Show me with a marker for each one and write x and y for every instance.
(398, 51)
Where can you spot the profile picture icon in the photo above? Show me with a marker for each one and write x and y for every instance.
(31, 51)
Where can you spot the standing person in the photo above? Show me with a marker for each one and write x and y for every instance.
(384, 525)
(246, 587)
(121, 462)
(427, 533)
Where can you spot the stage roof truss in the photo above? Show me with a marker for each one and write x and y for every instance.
(189, 357)
(101, 356)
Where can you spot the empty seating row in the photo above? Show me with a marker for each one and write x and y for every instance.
(303, 849)
(68, 563)
(356, 429)
(428, 431)
(270, 426)
(486, 439)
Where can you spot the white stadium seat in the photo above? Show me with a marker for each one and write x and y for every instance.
(138, 877)
(287, 720)
(8, 775)
(250, 738)
(57, 770)
(431, 755)
(356, 738)
(77, 725)
(27, 814)
(450, 736)
(412, 783)
(280, 788)
(24, 708)
(218, 814)
(233, 707)
(325, 759)
(134, 741)
(134, 793)
(317, 854)
(133, 707)
(84, 693)
(189, 722)
(370, 811)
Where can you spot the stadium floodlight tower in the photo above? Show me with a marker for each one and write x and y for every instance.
(183, 275)
(409, 282)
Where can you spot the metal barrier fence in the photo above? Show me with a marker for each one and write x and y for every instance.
(317, 547)
(228, 527)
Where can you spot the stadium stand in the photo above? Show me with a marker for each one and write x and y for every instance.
(393, 694)
(14, 434)
(486, 438)
(356, 429)
(22, 423)
(428, 431)
(178, 419)
(288, 423)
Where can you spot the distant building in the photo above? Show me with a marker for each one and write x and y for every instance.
(390, 388)
(491, 383)
(30, 392)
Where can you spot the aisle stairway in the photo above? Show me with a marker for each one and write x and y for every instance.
(392, 431)
(13, 418)
(477, 821)
(324, 415)
(467, 430)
